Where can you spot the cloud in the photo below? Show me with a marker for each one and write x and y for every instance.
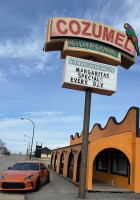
(26, 54)
(29, 69)
(110, 13)
(44, 113)
(22, 48)
(51, 117)
(48, 128)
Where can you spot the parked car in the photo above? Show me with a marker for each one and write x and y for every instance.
(6, 152)
(28, 175)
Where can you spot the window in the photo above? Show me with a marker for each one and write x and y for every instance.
(102, 162)
(25, 166)
(42, 166)
(119, 164)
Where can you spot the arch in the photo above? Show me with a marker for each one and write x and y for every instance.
(61, 166)
(55, 162)
(119, 147)
(111, 165)
(70, 166)
(78, 167)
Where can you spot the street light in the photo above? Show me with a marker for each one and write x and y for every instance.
(30, 140)
(28, 147)
(32, 136)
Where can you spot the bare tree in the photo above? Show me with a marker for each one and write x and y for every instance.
(2, 144)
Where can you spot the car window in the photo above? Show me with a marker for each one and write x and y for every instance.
(25, 166)
(42, 166)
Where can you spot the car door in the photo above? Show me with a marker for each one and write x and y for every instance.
(43, 174)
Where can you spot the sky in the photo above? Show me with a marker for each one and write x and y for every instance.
(31, 79)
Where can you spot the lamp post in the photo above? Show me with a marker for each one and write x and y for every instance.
(30, 141)
(32, 136)
(28, 147)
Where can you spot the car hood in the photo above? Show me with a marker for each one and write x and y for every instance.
(18, 174)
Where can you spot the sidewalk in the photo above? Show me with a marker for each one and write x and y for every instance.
(9, 196)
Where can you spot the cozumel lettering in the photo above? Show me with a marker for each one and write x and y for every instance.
(84, 32)
(87, 29)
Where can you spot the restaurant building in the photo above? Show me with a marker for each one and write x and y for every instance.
(113, 154)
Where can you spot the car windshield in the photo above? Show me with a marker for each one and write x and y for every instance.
(25, 166)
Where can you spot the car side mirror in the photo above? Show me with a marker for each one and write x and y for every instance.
(9, 168)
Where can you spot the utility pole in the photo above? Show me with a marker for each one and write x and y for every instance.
(84, 150)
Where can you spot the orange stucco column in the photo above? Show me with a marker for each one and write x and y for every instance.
(53, 161)
(89, 168)
(75, 167)
(136, 160)
(66, 156)
(58, 163)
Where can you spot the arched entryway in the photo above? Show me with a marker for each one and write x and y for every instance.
(55, 162)
(70, 166)
(113, 167)
(61, 164)
(78, 168)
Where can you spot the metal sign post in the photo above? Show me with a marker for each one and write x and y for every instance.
(84, 150)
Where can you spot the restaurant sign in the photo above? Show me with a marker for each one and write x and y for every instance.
(80, 74)
(72, 27)
(103, 41)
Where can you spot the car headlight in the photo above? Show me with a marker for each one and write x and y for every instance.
(29, 177)
(1, 177)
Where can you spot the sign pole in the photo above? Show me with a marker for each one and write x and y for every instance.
(84, 149)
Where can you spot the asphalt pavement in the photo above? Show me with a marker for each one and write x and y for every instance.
(9, 161)
(61, 189)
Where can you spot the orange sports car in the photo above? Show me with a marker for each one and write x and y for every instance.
(27, 175)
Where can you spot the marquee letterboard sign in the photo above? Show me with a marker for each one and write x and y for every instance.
(80, 74)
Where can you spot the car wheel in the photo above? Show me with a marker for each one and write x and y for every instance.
(37, 186)
(48, 178)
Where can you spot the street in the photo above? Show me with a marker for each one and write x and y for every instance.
(8, 161)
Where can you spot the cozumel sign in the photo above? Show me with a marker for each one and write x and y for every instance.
(68, 27)
(61, 29)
